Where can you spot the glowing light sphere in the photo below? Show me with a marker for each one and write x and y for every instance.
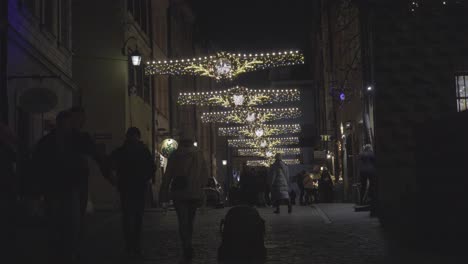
(259, 132)
(238, 100)
(342, 96)
(251, 117)
(223, 67)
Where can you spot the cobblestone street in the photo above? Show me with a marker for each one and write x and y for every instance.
(326, 233)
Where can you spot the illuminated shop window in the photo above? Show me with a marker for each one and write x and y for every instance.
(462, 92)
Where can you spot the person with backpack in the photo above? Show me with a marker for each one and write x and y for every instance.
(187, 174)
(134, 167)
(280, 184)
(59, 164)
(242, 232)
(8, 192)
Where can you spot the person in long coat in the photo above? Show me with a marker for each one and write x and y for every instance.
(280, 184)
(8, 192)
(135, 167)
(186, 174)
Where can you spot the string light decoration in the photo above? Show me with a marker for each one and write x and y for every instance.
(250, 115)
(268, 152)
(260, 130)
(269, 162)
(263, 142)
(239, 97)
(225, 65)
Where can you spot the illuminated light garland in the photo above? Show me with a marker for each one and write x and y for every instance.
(239, 97)
(268, 152)
(269, 162)
(263, 142)
(224, 65)
(251, 115)
(252, 131)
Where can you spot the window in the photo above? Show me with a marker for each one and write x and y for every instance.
(462, 92)
(144, 16)
(147, 89)
(130, 6)
(139, 10)
(140, 75)
(131, 76)
(32, 6)
(65, 23)
(50, 16)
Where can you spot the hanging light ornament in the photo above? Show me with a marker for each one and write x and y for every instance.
(263, 143)
(224, 65)
(239, 97)
(268, 130)
(259, 132)
(250, 115)
(269, 162)
(268, 153)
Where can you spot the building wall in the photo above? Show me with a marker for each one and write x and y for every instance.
(38, 44)
(112, 91)
(340, 73)
(416, 60)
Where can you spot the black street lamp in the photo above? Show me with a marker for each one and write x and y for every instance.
(136, 57)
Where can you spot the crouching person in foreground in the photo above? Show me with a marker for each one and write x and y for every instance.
(186, 174)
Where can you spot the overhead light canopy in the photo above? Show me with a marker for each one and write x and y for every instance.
(225, 65)
(251, 131)
(269, 162)
(239, 97)
(263, 142)
(250, 116)
(268, 153)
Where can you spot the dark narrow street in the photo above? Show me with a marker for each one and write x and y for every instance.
(232, 132)
(322, 234)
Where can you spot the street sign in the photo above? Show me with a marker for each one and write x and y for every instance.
(325, 138)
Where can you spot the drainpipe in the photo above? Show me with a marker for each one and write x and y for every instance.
(153, 93)
(4, 61)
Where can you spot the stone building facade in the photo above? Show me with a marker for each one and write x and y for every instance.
(410, 95)
(36, 67)
(115, 94)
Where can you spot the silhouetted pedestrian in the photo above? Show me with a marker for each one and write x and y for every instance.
(59, 163)
(135, 167)
(367, 173)
(248, 185)
(300, 184)
(87, 147)
(280, 184)
(326, 186)
(309, 188)
(8, 193)
(187, 174)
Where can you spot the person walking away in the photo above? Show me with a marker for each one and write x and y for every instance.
(300, 184)
(187, 174)
(59, 165)
(267, 184)
(86, 146)
(134, 168)
(260, 187)
(8, 192)
(367, 173)
(326, 186)
(280, 184)
(309, 186)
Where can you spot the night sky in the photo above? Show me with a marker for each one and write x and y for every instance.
(244, 25)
